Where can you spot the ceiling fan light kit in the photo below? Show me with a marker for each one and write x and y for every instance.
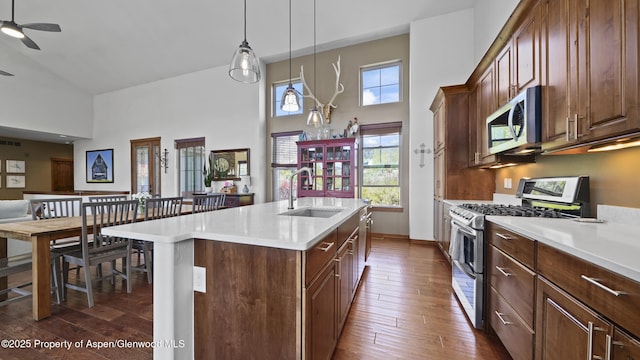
(14, 29)
(244, 65)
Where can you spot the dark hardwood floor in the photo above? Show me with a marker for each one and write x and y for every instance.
(404, 309)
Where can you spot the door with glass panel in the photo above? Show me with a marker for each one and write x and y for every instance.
(145, 165)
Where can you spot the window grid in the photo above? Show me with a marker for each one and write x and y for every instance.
(284, 162)
(380, 174)
(191, 155)
(380, 84)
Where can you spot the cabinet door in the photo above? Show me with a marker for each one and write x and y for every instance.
(557, 56)
(566, 329)
(503, 75)
(611, 76)
(439, 174)
(446, 231)
(439, 126)
(526, 53)
(311, 156)
(321, 326)
(345, 280)
(486, 102)
(625, 346)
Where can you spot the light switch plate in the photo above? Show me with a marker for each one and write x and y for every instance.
(508, 183)
(199, 279)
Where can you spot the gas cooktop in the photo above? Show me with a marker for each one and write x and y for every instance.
(513, 210)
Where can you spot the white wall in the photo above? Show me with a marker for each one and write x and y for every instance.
(206, 103)
(441, 54)
(35, 99)
(490, 16)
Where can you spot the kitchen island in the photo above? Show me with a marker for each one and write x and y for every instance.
(278, 283)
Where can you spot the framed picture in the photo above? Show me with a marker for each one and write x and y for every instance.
(15, 166)
(15, 181)
(99, 166)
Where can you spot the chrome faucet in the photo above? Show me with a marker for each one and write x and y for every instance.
(308, 170)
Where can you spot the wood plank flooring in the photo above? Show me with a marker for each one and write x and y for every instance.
(404, 309)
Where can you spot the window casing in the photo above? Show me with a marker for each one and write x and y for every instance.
(284, 162)
(191, 156)
(380, 157)
(381, 83)
(278, 90)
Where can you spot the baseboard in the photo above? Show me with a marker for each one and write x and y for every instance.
(398, 237)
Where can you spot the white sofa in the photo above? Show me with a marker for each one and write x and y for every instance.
(15, 211)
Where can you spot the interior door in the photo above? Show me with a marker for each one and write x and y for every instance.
(145, 165)
(61, 174)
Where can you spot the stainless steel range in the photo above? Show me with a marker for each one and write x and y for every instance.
(557, 197)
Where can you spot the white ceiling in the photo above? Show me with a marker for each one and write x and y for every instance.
(108, 45)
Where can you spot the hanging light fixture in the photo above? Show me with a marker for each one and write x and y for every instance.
(244, 64)
(315, 117)
(290, 98)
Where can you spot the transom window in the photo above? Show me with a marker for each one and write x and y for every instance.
(380, 84)
(381, 164)
(278, 90)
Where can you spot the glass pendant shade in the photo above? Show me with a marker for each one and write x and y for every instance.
(315, 118)
(290, 100)
(244, 65)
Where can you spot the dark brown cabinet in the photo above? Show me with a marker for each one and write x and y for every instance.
(625, 346)
(590, 70)
(321, 324)
(235, 200)
(485, 103)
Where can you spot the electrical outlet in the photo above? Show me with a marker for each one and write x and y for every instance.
(199, 279)
(508, 183)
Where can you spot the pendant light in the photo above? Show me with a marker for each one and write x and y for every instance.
(315, 117)
(244, 64)
(290, 98)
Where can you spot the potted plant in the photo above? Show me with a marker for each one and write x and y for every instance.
(208, 176)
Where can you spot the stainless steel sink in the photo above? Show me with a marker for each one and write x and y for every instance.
(313, 212)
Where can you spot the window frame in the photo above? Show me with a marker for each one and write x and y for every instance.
(275, 100)
(186, 144)
(377, 66)
(381, 129)
(277, 167)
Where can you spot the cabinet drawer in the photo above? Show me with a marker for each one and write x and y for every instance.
(319, 255)
(514, 282)
(579, 278)
(517, 246)
(514, 334)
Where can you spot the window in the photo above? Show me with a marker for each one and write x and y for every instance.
(380, 84)
(285, 162)
(191, 155)
(380, 163)
(278, 90)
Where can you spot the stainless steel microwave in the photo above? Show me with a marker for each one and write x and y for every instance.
(517, 126)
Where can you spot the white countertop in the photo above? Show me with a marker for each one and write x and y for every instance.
(613, 246)
(258, 224)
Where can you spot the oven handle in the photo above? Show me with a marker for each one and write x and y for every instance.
(465, 229)
(464, 269)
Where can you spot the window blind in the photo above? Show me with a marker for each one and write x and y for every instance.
(285, 150)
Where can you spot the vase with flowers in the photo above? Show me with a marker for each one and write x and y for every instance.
(208, 176)
(142, 200)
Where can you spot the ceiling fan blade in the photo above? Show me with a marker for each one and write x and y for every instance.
(43, 27)
(5, 73)
(30, 43)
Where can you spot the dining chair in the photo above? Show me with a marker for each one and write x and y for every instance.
(54, 208)
(14, 265)
(108, 198)
(209, 202)
(103, 248)
(156, 208)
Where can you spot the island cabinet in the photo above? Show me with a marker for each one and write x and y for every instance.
(590, 70)
(333, 167)
(584, 311)
(272, 303)
(511, 269)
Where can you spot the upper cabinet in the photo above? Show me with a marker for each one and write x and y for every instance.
(590, 73)
(333, 167)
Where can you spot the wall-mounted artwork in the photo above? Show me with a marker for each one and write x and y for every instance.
(15, 166)
(16, 181)
(99, 166)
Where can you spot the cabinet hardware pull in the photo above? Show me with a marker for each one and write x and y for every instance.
(608, 348)
(575, 127)
(595, 282)
(329, 246)
(567, 134)
(500, 316)
(590, 342)
(349, 252)
(502, 271)
(503, 236)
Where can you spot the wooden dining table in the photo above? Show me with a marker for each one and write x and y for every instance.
(41, 233)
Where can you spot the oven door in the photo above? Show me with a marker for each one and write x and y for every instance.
(468, 289)
(466, 248)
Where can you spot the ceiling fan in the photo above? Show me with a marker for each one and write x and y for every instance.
(13, 29)
(5, 73)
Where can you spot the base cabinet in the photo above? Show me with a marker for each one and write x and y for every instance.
(624, 346)
(322, 329)
(567, 329)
